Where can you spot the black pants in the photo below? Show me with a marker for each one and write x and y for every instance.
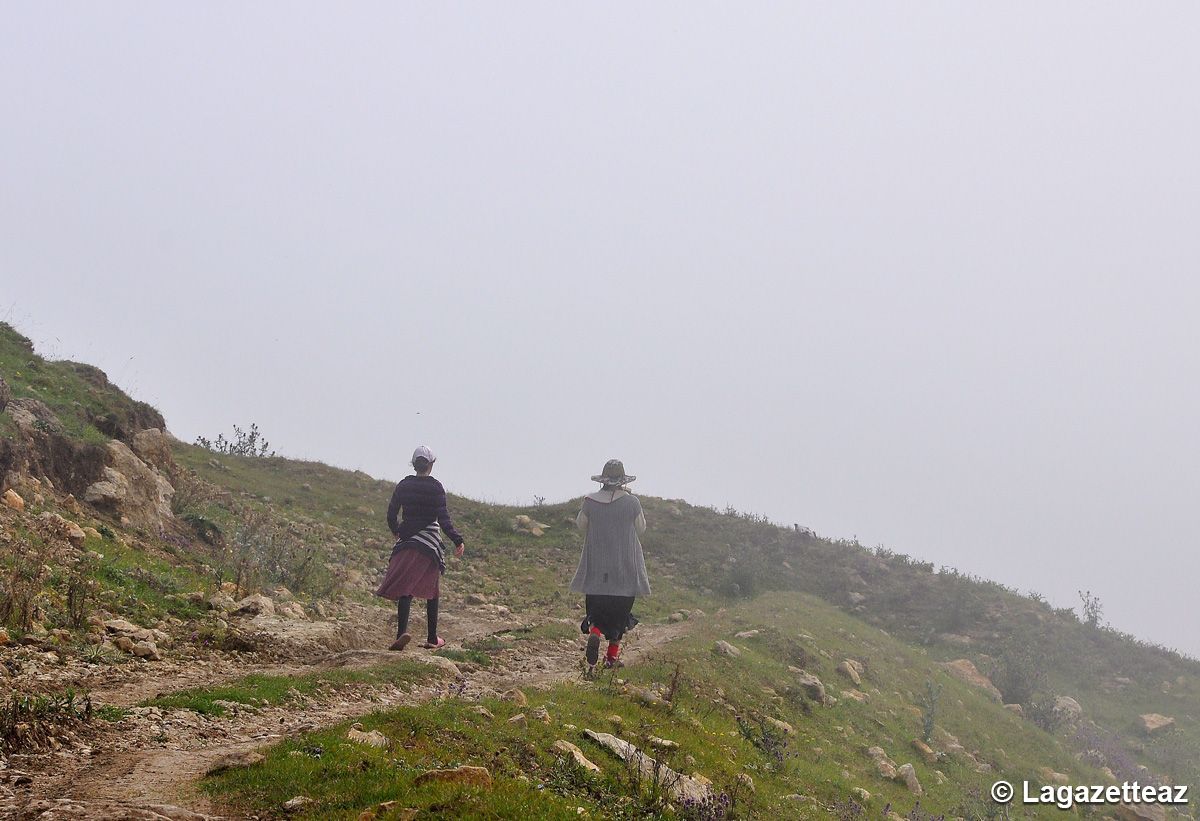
(612, 614)
(403, 604)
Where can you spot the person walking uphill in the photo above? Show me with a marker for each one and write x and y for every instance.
(418, 559)
(612, 569)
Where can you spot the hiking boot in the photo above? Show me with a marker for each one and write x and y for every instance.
(401, 642)
(592, 654)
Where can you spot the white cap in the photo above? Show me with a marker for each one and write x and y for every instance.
(424, 453)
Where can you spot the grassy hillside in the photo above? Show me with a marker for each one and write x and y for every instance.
(90, 407)
(254, 523)
(701, 557)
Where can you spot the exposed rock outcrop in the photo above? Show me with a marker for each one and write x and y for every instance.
(33, 416)
(681, 787)
(132, 490)
(154, 448)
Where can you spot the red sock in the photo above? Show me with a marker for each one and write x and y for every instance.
(614, 650)
(596, 631)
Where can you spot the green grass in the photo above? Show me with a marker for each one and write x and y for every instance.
(484, 644)
(476, 657)
(824, 760)
(111, 714)
(145, 585)
(258, 690)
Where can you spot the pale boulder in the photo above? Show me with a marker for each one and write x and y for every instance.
(234, 761)
(525, 524)
(810, 684)
(907, 775)
(883, 763)
(1154, 723)
(292, 610)
(852, 670)
(255, 605)
(1067, 710)
(1140, 812)
(371, 738)
(964, 670)
(724, 648)
(575, 754)
(147, 650)
(682, 787)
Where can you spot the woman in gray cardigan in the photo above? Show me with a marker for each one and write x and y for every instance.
(612, 570)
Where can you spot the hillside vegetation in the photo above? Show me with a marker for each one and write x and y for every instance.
(180, 552)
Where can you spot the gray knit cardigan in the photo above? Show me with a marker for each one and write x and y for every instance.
(612, 563)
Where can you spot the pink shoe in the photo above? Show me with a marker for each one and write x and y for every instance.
(430, 645)
(401, 643)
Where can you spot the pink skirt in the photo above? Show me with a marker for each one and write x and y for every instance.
(411, 572)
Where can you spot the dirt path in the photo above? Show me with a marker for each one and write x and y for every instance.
(150, 769)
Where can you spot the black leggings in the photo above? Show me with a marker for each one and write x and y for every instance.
(404, 604)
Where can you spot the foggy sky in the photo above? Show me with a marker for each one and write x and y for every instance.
(920, 274)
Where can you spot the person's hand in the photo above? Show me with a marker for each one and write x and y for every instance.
(460, 550)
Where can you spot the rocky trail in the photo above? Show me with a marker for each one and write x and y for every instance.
(147, 765)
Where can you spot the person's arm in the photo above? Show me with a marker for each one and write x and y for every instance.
(443, 519)
(394, 510)
(581, 521)
(639, 524)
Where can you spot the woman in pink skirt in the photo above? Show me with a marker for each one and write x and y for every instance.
(418, 559)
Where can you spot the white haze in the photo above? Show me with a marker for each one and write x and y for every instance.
(920, 274)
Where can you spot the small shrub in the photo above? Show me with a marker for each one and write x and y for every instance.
(24, 579)
(30, 722)
(244, 443)
(1041, 711)
(1092, 609)
(770, 740)
(713, 808)
(1020, 670)
(929, 702)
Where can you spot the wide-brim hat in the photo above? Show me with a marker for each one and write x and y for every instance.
(613, 474)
